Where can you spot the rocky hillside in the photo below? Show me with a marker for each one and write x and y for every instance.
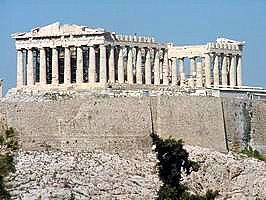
(97, 175)
(234, 175)
(91, 175)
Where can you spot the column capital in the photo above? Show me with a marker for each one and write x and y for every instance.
(103, 45)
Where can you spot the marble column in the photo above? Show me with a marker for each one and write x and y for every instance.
(156, 67)
(30, 70)
(111, 65)
(207, 60)
(79, 76)
(67, 66)
(120, 66)
(55, 71)
(129, 66)
(181, 71)
(20, 68)
(239, 71)
(103, 70)
(138, 67)
(174, 72)
(147, 67)
(92, 65)
(233, 71)
(216, 71)
(192, 77)
(165, 68)
(192, 67)
(224, 70)
(43, 73)
(199, 82)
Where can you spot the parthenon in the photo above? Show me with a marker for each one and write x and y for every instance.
(63, 54)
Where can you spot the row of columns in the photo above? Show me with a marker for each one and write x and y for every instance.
(154, 66)
(213, 69)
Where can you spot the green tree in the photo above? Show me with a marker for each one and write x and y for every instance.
(173, 159)
(8, 144)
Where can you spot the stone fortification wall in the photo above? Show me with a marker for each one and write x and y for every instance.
(111, 124)
(236, 121)
(258, 127)
(245, 124)
(196, 120)
(123, 124)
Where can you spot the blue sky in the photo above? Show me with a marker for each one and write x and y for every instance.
(180, 22)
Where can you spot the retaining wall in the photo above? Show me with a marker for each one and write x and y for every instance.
(122, 125)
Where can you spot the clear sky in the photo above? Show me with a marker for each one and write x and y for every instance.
(180, 22)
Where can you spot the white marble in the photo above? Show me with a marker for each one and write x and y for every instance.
(79, 73)
(145, 62)
(156, 67)
(92, 65)
(224, 70)
(207, 60)
(139, 67)
(67, 66)
(148, 68)
(20, 69)
(239, 71)
(111, 65)
(120, 66)
(55, 71)
(30, 69)
(165, 69)
(233, 71)
(174, 71)
(130, 66)
(216, 70)
(103, 70)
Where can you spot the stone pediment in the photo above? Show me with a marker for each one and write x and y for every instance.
(57, 29)
(225, 40)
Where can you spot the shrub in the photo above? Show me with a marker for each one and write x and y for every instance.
(8, 144)
(173, 159)
(253, 153)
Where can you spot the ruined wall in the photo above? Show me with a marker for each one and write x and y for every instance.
(123, 124)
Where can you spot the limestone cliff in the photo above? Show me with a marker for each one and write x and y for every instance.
(98, 175)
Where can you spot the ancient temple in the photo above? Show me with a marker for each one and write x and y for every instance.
(61, 55)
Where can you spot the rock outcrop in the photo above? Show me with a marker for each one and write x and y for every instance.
(90, 175)
(234, 175)
(98, 175)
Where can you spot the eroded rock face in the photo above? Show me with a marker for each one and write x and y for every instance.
(98, 175)
(233, 175)
(92, 175)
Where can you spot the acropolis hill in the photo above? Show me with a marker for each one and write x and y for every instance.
(87, 99)
(144, 85)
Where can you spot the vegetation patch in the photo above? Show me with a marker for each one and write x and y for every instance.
(250, 152)
(8, 145)
(173, 160)
(57, 96)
